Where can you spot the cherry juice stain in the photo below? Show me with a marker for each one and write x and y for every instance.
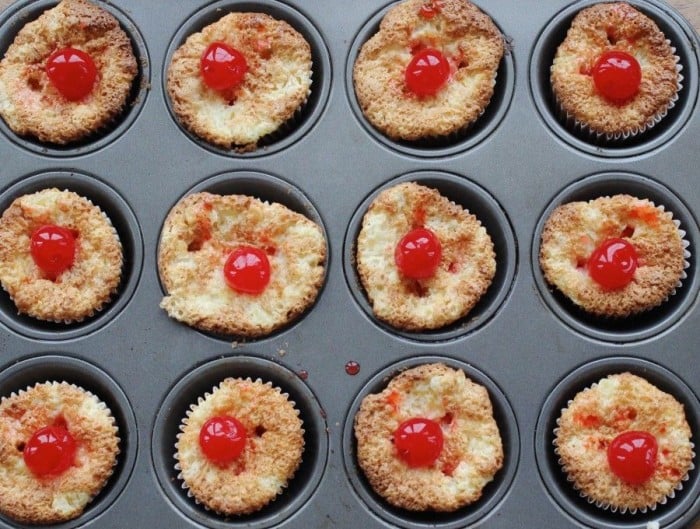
(352, 368)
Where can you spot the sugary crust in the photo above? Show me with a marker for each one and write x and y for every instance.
(574, 230)
(469, 40)
(271, 456)
(277, 84)
(465, 272)
(614, 26)
(199, 234)
(472, 452)
(617, 404)
(31, 105)
(81, 290)
(48, 500)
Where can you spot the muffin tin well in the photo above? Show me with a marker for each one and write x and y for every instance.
(528, 345)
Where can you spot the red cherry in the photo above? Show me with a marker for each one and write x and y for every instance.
(72, 72)
(429, 10)
(222, 439)
(50, 451)
(419, 442)
(612, 264)
(222, 66)
(427, 72)
(53, 249)
(418, 254)
(617, 76)
(247, 270)
(632, 456)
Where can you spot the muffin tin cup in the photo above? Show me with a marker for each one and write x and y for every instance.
(306, 116)
(62, 368)
(643, 325)
(679, 511)
(467, 138)
(127, 227)
(200, 381)
(493, 492)
(478, 202)
(579, 136)
(12, 21)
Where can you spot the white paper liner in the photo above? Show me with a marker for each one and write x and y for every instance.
(183, 423)
(605, 505)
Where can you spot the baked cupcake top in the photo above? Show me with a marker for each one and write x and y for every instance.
(60, 256)
(428, 441)
(624, 443)
(423, 260)
(240, 79)
(613, 256)
(430, 70)
(615, 73)
(58, 447)
(67, 74)
(239, 446)
(233, 264)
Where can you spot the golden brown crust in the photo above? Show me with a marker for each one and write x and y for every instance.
(31, 105)
(28, 499)
(272, 453)
(274, 88)
(615, 26)
(574, 230)
(617, 404)
(465, 272)
(81, 290)
(199, 234)
(472, 451)
(469, 40)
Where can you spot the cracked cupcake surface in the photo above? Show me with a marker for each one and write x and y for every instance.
(272, 452)
(615, 27)
(471, 453)
(621, 404)
(273, 89)
(200, 235)
(54, 498)
(81, 289)
(465, 43)
(461, 277)
(32, 106)
(573, 233)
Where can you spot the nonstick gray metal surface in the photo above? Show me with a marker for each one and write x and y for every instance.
(526, 344)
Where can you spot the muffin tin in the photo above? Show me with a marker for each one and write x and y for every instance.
(529, 347)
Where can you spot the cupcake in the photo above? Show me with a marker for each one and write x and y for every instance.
(615, 75)
(624, 444)
(613, 256)
(423, 260)
(240, 79)
(235, 265)
(428, 441)
(58, 448)
(239, 446)
(430, 70)
(67, 75)
(60, 256)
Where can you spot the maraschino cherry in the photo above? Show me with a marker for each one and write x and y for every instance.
(418, 254)
(427, 72)
(72, 72)
(50, 451)
(247, 270)
(419, 441)
(632, 456)
(222, 67)
(613, 263)
(53, 249)
(222, 439)
(617, 76)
